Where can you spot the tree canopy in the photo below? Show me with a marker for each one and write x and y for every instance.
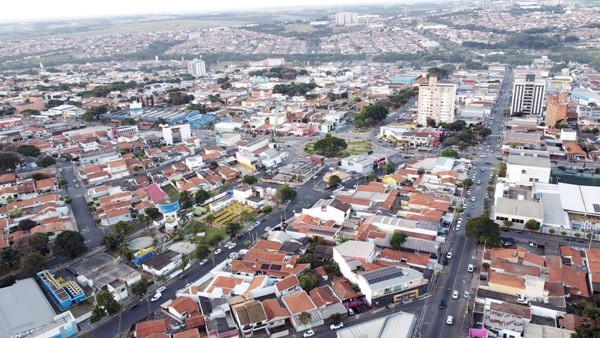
(371, 115)
(46, 161)
(285, 193)
(484, 230)
(532, 225)
(249, 179)
(449, 152)
(28, 150)
(70, 244)
(308, 281)
(398, 238)
(32, 263)
(330, 146)
(8, 161)
(334, 181)
(106, 305)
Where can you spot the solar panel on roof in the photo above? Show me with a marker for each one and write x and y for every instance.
(275, 267)
(264, 266)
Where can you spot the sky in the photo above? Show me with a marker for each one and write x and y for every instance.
(16, 10)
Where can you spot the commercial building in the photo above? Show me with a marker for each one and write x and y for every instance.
(436, 102)
(391, 284)
(173, 134)
(25, 312)
(528, 95)
(397, 325)
(524, 167)
(196, 68)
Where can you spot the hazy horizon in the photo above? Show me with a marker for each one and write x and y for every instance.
(71, 9)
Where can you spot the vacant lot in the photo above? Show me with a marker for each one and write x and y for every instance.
(354, 148)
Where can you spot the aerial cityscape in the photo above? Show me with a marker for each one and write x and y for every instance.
(409, 169)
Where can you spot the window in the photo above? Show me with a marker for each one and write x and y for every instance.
(500, 218)
(523, 171)
(387, 290)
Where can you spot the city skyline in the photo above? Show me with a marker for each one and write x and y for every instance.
(55, 10)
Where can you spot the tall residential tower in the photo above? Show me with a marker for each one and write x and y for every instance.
(196, 68)
(436, 101)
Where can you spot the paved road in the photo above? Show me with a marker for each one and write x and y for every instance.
(83, 217)
(455, 275)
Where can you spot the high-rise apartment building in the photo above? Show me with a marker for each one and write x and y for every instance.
(346, 18)
(436, 101)
(528, 95)
(556, 108)
(196, 67)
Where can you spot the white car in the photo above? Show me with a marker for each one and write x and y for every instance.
(449, 255)
(161, 289)
(156, 297)
(336, 326)
(202, 262)
(468, 192)
(470, 268)
(309, 333)
(466, 294)
(454, 294)
(232, 245)
(218, 251)
(233, 255)
(449, 320)
(473, 199)
(268, 229)
(228, 244)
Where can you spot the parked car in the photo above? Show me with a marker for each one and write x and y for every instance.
(454, 294)
(202, 262)
(309, 333)
(466, 294)
(267, 229)
(470, 268)
(533, 245)
(473, 199)
(336, 326)
(350, 312)
(443, 304)
(161, 289)
(449, 255)
(218, 251)
(156, 297)
(449, 320)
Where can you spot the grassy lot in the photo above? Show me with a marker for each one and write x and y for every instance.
(171, 191)
(354, 148)
(299, 29)
(230, 213)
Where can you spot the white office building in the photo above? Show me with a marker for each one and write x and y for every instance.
(436, 101)
(196, 68)
(175, 134)
(346, 18)
(526, 167)
(528, 95)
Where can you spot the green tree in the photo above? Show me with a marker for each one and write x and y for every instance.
(153, 213)
(335, 317)
(45, 161)
(501, 169)
(370, 115)
(249, 179)
(332, 268)
(8, 161)
(305, 318)
(449, 152)
(140, 288)
(202, 251)
(209, 219)
(285, 193)
(308, 281)
(106, 305)
(421, 171)
(112, 240)
(532, 225)
(185, 199)
(484, 230)
(467, 183)
(31, 244)
(232, 228)
(507, 223)
(330, 146)
(32, 263)
(69, 244)
(431, 122)
(334, 182)
(267, 209)
(398, 238)
(390, 168)
(201, 196)
(28, 150)
(26, 224)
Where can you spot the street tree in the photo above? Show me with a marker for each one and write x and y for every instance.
(249, 179)
(532, 225)
(32, 263)
(69, 244)
(45, 161)
(449, 152)
(285, 193)
(335, 317)
(106, 305)
(31, 244)
(140, 288)
(185, 199)
(334, 182)
(232, 228)
(484, 230)
(467, 183)
(390, 168)
(28, 150)
(304, 317)
(501, 169)
(398, 238)
(202, 251)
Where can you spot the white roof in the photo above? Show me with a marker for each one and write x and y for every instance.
(580, 198)
(355, 249)
(397, 325)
